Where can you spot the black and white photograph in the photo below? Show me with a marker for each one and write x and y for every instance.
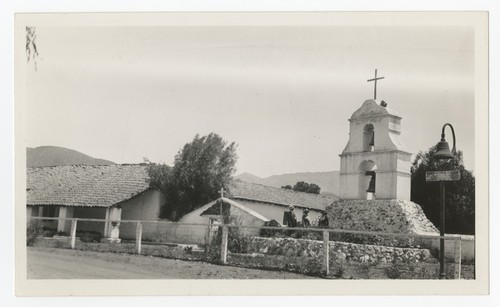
(324, 148)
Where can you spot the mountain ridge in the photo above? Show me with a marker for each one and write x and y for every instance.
(59, 156)
(328, 181)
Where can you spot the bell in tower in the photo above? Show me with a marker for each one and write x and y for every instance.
(371, 185)
(372, 142)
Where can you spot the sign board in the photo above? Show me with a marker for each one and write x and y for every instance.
(442, 176)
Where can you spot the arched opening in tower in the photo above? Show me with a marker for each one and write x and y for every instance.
(368, 138)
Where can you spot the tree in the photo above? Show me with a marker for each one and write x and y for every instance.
(302, 186)
(31, 49)
(200, 170)
(460, 195)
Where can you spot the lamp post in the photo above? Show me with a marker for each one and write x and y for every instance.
(443, 153)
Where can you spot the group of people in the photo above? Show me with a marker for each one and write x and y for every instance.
(290, 219)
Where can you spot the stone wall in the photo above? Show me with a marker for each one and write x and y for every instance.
(391, 216)
(338, 250)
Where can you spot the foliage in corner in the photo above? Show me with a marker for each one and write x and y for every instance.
(31, 48)
(460, 195)
(33, 232)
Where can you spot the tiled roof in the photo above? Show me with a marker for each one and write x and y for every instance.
(107, 185)
(85, 185)
(262, 193)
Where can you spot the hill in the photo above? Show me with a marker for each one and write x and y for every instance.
(57, 156)
(328, 181)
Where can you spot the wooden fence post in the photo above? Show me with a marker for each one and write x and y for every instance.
(73, 233)
(458, 258)
(138, 237)
(326, 252)
(223, 248)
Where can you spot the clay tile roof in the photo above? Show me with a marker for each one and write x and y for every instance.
(278, 196)
(85, 185)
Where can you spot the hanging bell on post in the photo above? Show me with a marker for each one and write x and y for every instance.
(443, 150)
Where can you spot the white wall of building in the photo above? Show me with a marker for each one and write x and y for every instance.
(276, 212)
(145, 207)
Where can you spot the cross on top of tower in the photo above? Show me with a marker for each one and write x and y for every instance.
(375, 85)
(221, 192)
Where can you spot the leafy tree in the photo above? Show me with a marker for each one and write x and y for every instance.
(460, 195)
(302, 186)
(200, 170)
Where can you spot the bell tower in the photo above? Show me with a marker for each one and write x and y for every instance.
(375, 164)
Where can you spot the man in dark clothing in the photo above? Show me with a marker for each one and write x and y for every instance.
(305, 219)
(289, 218)
(323, 220)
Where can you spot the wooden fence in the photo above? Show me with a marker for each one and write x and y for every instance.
(225, 233)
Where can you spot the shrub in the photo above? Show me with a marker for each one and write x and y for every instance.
(32, 233)
(237, 243)
(313, 266)
(364, 270)
(339, 269)
(48, 232)
(89, 236)
(266, 233)
(212, 251)
(393, 272)
(188, 250)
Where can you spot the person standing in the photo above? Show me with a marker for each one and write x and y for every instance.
(305, 219)
(323, 220)
(289, 218)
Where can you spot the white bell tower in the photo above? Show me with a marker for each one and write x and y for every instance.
(375, 164)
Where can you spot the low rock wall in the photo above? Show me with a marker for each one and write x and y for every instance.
(338, 250)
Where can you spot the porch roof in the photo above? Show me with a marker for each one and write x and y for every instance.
(85, 185)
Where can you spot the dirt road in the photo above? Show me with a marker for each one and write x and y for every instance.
(52, 263)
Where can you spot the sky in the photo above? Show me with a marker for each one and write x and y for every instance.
(282, 93)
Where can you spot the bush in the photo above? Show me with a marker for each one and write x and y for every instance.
(393, 272)
(48, 232)
(89, 236)
(33, 232)
(237, 243)
(266, 233)
(313, 266)
(212, 251)
(338, 268)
